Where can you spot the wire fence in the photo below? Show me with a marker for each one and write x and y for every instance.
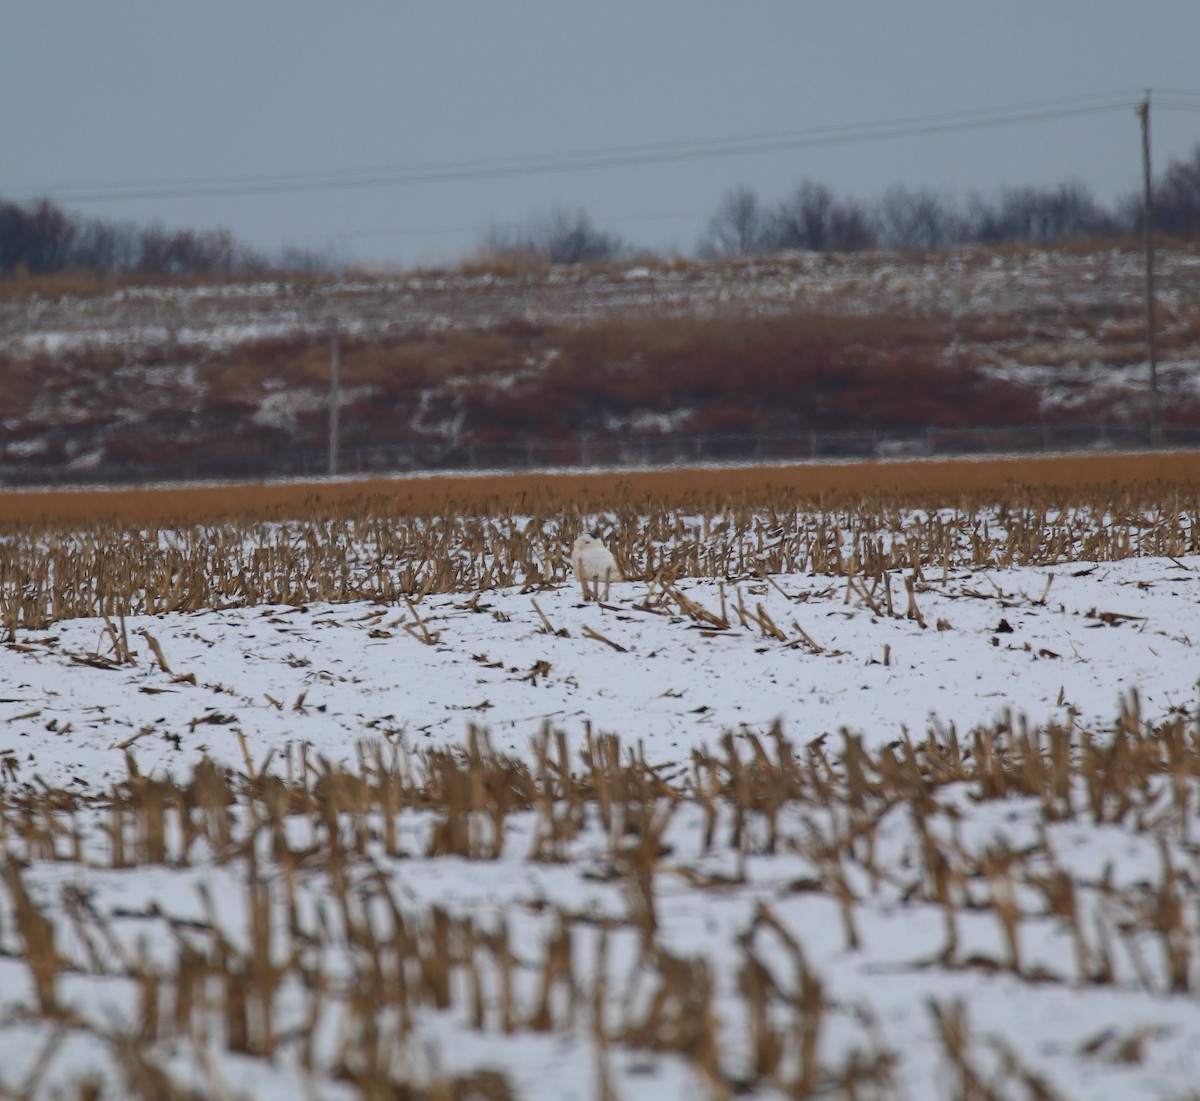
(614, 452)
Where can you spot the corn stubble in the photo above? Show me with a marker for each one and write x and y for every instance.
(367, 549)
(334, 968)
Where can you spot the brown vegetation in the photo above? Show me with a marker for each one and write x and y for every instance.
(770, 374)
(518, 381)
(421, 495)
(189, 383)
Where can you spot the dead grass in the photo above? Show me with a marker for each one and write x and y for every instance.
(944, 480)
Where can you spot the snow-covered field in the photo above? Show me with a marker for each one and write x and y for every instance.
(1078, 1002)
(1038, 642)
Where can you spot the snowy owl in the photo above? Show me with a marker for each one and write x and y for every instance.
(593, 563)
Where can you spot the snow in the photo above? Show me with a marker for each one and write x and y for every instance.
(330, 675)
(281, 408)
(1068, 643)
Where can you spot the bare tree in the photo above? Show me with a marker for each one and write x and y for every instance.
(917, 220)
(802, 220)
(105, 246)
(36, 237)
(572, 239)
(1177, 198)
(186, 251)
(737, 228)
(14, 232)
(51, 232)
(811, 218)
(850, 228)
(1040, 215)
(561, 237)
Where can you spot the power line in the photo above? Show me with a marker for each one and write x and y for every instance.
(334, 175)
(620, 220)
(613, 157)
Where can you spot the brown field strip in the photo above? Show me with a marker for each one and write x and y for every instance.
(430, 494)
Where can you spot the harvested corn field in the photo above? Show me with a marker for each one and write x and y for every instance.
(772, 921)
(881, 793)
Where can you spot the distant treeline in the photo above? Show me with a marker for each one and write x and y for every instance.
(813, 218)
(40, 238)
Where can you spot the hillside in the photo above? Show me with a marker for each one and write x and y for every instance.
(582, 364)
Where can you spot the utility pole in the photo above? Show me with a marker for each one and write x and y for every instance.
(1148, 245)
(334, 396)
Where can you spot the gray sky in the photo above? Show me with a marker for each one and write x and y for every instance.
(132, 91)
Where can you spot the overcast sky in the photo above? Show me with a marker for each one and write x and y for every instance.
(98, 92)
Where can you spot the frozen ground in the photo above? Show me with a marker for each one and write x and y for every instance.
(1051, 644)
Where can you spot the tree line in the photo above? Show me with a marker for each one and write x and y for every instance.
(40, 238)
(812, 217)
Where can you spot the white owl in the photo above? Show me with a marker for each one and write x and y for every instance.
(593, 562)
